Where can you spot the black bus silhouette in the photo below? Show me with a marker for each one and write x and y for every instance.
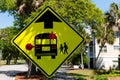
(45, 46)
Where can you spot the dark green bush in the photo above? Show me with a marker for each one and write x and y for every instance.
(76, 59)
(80, 78)
(101, 78)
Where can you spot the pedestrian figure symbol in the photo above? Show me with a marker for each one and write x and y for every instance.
(65, 48)
(61, 48)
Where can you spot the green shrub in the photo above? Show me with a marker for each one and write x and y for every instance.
(80, 78)
(92, 77)
(101, 78)
(101, 72)
(75, 60)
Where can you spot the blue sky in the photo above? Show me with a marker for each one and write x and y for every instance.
(104, 4)
(7, 20)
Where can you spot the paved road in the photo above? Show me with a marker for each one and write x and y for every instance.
(8, 72)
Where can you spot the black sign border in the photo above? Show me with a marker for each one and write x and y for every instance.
(33, 60)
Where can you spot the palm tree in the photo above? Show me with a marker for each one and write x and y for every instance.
(106, 33)
(114, 10)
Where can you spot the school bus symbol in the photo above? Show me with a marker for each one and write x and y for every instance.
(45, 45)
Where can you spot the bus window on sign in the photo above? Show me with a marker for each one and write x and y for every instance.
(53, 41)
(38, 41)
(45, 41)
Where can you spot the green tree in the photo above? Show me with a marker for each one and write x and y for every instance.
(20, 9)
(79, 14)
(80, 57)
(9, 51)
(106, 33)
(115, 11)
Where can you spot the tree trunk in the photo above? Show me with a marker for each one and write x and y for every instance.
(82, 65)
(15, 60)
(32, 69)
(8, 61)
(9, 58)
(98, 55)
(119, 62)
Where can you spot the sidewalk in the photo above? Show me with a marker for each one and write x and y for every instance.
(7, 72)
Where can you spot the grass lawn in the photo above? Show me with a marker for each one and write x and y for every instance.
(82, 74)
(88, 74)
(85, 72)
(3, 62)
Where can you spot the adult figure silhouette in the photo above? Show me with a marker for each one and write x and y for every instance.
(65, 48)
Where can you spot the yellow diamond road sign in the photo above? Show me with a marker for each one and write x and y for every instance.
(48, 41)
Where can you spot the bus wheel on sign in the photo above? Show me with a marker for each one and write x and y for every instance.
(53, 57)
(38, 57)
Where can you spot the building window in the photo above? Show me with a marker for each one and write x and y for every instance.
(91, 50)
(104, 49)
(117, 34)
(116, 47)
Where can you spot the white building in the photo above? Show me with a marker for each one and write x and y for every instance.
(108, 57)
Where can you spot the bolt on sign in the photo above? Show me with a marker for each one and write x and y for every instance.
(48, 41)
